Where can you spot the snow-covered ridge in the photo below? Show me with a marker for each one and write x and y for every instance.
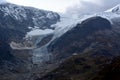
(21, 11)
(115, 9)
(110, 13)
(68, 22)
(16, 12)
(38, 17)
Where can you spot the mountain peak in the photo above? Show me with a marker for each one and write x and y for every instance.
(30, 15)
(115, 9)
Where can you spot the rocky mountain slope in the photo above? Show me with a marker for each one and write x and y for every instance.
(88, 48)
(80, 37)
(15, 22)
(96, 38)
(26, 17)
(77, 67)
(110, 71)
(34, 47)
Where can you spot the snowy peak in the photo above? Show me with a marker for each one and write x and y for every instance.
(115, 9)
(13, 10)
(110, 13)
(27, 16)
(22, 11)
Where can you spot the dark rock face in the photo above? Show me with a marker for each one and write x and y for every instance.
(80, 37)
(5, 52)
(8, 61)
(7, 35)
(110, 72)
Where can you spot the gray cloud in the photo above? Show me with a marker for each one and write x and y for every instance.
(92, 6)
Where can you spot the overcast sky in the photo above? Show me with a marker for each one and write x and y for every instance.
(54, 5)
(67, 5)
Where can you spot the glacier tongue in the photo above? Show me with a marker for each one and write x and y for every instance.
(38, 32)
